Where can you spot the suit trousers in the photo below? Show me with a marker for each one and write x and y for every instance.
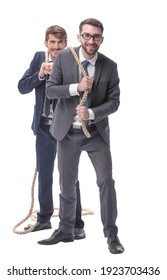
(69, 151)
(46, 149)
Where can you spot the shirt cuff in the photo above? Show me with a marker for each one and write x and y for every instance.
(91, 115)
(73, 90)
(41, 78)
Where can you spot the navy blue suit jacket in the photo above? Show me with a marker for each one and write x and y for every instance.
(30, 82)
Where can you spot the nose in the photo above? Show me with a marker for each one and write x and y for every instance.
(56, 45)
(91, 40)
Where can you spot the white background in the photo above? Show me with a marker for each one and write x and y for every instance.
(134, 37)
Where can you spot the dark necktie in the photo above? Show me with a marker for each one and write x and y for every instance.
(46, 107)
(47, 101)
(85, 64)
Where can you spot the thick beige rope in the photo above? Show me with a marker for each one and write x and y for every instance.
(30, 226)
(32, 213)
(85, 211)
(86, 92)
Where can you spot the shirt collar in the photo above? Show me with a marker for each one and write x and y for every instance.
(50, 59)
(92, 60)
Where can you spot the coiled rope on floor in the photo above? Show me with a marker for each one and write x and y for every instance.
(33, 213)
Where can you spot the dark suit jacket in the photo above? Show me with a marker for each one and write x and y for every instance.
(29, 82)
(104, 97)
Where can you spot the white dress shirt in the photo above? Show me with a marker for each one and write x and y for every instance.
(73, 87)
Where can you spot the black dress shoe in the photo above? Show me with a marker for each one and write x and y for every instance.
(79, 233)
(56, 237)
(114, 245)
(40, 226)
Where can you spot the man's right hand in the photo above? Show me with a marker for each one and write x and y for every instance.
(46, 68)
(85, 84)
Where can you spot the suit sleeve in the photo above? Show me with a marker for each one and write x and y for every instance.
(30, 79)
(54, 87)
(111, 101)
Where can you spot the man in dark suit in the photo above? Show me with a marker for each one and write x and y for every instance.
(66, 83)
(46, 146)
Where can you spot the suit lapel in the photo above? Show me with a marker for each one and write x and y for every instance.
(74, 66)
(98, 69)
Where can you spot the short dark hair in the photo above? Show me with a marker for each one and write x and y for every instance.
(91, 21)
(57, 31)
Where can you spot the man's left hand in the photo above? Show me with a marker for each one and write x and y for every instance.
(82, 112)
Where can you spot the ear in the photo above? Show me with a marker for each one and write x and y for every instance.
(79, 38)
(46, 44)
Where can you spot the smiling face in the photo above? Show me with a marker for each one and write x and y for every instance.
(54, 45)
(90, 38)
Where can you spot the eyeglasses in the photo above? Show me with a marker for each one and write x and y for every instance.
(95, 37)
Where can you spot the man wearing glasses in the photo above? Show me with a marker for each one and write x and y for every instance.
(67, 84)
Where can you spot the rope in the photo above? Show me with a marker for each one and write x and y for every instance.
(32, 213)
(85, 211)
(30, 226)
(85, 95)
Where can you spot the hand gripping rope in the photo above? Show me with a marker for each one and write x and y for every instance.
(86, 132)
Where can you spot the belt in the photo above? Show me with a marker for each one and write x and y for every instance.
(46, 121)
(90, 128)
